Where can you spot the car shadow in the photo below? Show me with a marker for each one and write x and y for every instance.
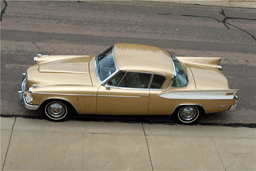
(152, 119)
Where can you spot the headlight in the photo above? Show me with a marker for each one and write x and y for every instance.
(29, 96)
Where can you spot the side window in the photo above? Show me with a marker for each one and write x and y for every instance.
(115, 81)
(135, 80)
(157, 82)
(179, 81)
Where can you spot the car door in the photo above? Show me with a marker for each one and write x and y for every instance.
(157, 104)
(125, 93)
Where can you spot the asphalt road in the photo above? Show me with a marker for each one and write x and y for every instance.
(53, 28)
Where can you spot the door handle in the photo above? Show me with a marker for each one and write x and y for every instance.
(144, 95)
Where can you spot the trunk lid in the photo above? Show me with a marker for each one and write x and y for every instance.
(208, 78)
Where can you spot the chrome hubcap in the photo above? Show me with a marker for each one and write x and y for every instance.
(188, 113)
(56, 110)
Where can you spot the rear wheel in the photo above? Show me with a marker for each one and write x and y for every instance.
(188, 114)
(56, 110)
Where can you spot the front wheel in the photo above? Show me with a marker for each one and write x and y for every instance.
(188, 114)
(56, 110)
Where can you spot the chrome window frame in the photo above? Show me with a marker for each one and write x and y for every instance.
(149, 83)
(175, 73)
(132, 87)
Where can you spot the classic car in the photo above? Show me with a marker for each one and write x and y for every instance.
(127, 79)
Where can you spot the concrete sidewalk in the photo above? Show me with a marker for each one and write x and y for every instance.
(31, 144)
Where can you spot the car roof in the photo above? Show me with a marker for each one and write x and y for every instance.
(143, 58)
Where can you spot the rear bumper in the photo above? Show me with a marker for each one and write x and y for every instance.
(233, 107)
(22, 95)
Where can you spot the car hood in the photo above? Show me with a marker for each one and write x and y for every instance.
(208, 78)
(72, 71)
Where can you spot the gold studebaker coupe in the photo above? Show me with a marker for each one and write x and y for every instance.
(127, 79)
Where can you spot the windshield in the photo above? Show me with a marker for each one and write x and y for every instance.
(105, 64)
(180, 79)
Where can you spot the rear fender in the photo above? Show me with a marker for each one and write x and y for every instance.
(211, 62)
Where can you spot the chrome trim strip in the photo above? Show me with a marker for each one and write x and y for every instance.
(118, 96)
(145, 95)
(130, 88)
(198, 95)
(221, 105)
(62, 94)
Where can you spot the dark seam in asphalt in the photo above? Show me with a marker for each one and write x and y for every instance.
(8, 145)
(148, 147)
(224, 21)
(3, 10)
(36, 45)
(218, 154)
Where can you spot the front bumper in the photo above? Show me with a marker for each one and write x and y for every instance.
(233, 107)
(22, 95)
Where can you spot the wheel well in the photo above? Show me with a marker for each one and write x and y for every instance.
(67, 103)
(200, 108)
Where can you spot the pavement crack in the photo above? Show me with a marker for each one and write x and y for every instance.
(218, 154)
(83, 152)
(224, 21)
(3, 10)
(163, 13)
(234, 160)
(234, 133)
(8, 144)
(147, 147)
(36, 45)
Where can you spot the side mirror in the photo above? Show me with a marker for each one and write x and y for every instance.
(106, 86)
